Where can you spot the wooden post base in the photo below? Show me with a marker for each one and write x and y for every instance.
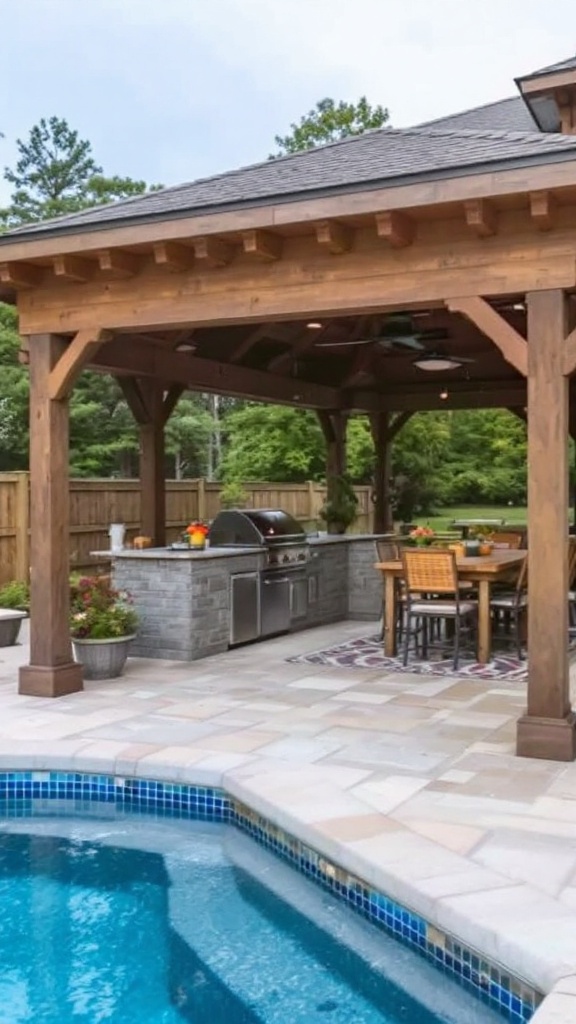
(57, 681)
(551, 738)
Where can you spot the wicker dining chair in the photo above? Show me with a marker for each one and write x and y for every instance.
(432, 593)
(513, 606)
(511, 539)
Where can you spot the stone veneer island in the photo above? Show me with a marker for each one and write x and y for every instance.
(183, 598)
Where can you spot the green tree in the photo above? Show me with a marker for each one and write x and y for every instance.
(330, 121)
(188, 434)
(13, 396)
(272, 442)
(56, 173)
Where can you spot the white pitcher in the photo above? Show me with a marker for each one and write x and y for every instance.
(116, 534)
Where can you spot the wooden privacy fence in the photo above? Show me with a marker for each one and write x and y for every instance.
(94, 504)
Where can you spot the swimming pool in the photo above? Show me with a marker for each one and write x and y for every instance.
(131, 919)
(40, 794)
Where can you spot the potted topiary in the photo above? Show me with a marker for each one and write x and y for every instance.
(103, 624)
(341, 506)
(14, 607)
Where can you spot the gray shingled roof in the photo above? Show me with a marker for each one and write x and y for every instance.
(376, 159)
(510, 115)
(562, 65)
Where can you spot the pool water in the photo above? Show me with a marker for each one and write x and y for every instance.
(132, 921)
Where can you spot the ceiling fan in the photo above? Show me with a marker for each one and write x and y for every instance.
(400, 335)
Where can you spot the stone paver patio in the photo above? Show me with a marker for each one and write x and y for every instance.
(408, 780)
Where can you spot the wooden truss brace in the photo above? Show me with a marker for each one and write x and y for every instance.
(570, 354)
(512, 345)
(383, 432)
(73, 360)
(141, 399)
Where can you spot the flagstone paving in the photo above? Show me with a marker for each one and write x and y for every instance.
(408, 780)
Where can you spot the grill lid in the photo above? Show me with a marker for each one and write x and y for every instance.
(255, 527)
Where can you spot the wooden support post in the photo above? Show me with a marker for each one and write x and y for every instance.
(334, 429)
(547, 729)
(22, 509)
(51, 672)
(384, 427)
(152, 475)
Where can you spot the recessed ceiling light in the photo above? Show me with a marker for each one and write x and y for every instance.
(186, 348)
(314, 325)
(519, 307)
(444, 393)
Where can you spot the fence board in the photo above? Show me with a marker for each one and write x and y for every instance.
(94, 504)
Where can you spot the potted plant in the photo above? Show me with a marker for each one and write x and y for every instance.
(14, 606)
(103, 623)
(196, 534)
(341, 506)
(421, 536)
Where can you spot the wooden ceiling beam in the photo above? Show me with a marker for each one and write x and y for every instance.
(483, 396)
(116, 263)
(481, 217)
(512, 345)
(199, 374)
(212, 252)
(396, 228)
(334, 236)
(173, 257)
(21, 275)
(263, 245)
(73, 360)
(542, 210)
(73, 268)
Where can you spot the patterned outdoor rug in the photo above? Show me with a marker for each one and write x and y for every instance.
(367, 652)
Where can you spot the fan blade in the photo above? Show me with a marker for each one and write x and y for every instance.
(345, 344)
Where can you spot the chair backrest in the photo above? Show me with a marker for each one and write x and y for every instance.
(522, 578)
(508, 539)
(430, 570)
(386, 550)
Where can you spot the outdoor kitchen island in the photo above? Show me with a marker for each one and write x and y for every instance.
(195, 603)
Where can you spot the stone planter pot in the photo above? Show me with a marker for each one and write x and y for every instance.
(10, 622)
(102, 659)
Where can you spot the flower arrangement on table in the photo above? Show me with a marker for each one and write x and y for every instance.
(98, 612)
(196, 534)
(421, 536)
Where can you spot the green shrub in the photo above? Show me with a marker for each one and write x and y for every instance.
(15, 595)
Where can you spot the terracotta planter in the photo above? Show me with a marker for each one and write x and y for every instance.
(102, 659)
(10, 622)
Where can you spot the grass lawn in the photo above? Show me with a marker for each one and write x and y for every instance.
(444, 518)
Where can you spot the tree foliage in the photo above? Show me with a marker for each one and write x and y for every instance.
(328, 122)
(56, 173)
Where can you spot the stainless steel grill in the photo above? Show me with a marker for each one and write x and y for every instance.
(281, 587)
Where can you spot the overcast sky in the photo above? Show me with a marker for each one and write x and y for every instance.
(172, 90)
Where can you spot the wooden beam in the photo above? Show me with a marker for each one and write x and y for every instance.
(21, 275)
(542, 210)
(361, 366)
(171, 399)
(410, 399)
(570, 353)
(135, 399)
(334, 236)
(73, 360)
(212, 252)
(73, 268)
(519, 411)
(547, 730)
(511, 344)
(197, 374)
(52, 671)
(172, 256)
(481, 217)
(305, 341)
(396, 227)
(117, 263)
(263, 245)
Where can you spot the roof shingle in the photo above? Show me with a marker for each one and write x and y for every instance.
(510, 115)
(376, 159)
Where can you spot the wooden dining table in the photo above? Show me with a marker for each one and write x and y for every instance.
(482, 570)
